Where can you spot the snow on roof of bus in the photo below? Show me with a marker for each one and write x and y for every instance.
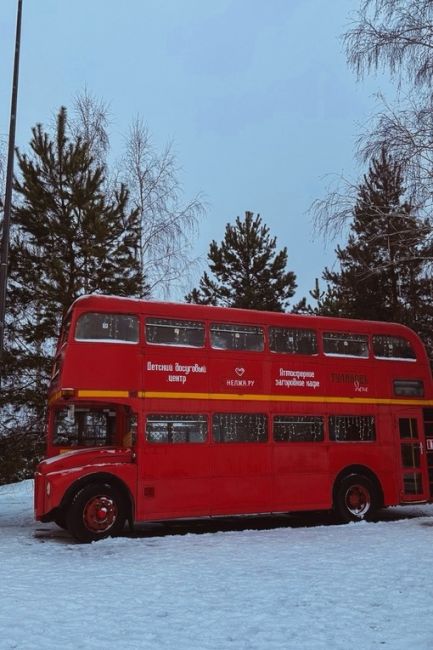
(101, 296)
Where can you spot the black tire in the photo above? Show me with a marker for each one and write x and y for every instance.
(60, 520)
(355, 498)
(96, 511)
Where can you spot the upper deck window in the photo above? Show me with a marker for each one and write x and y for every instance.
(345, 344)
(409, 387)
(392, 347)
(65, 329)
(107, 327)
(292, 340)
(225, 336)
(164, 331)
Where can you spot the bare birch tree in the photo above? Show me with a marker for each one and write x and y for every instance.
(397, 36)
(90, 121)
(394, 36)
(167, 222)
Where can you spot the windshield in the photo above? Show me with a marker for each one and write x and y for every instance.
(94, 426)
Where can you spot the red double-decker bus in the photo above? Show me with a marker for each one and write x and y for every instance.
(160, 411)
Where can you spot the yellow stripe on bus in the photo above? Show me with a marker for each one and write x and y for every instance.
(283, 398)
(242, 397)
(102, 393)
(55, 397)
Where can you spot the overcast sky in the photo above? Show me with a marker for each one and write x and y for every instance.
(255, 95)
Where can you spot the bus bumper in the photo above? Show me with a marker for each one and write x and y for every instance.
(41, 497)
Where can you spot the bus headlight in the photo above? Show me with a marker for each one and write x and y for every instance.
(48, 488)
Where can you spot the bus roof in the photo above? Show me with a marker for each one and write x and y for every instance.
(233, 314)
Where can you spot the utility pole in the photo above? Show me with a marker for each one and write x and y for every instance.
(4, 253)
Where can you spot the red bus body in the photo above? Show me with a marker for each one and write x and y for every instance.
(195, 411)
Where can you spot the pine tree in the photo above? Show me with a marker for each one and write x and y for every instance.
(246, 270)
(69, 239)
(382, 269)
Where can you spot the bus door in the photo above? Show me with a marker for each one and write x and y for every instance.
(174, 466)
(412, 457)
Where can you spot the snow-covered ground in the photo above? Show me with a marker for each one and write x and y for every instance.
(356, 586)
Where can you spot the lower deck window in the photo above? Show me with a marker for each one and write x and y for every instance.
(298, 428)
(176, 428)
(240, 427)
(413, 483)
(352, 428)
(408, 428)
(410, 455)
(79, 427)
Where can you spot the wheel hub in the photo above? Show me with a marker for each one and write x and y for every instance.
(358, 500)
(100, 513)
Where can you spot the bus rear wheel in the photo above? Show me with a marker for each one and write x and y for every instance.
(355, 498)
(97, 511)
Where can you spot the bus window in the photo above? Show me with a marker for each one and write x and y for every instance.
(392, 347)
(292, 341)
(65, 329)
(163, 428)
(161, 331)
(409, 387)
(107, 327)
(84, 427)
(345, 344)
(352, 428)
(408, 428)
(240, 427)
(130, 437)
(224, 336)
(56, 369)
(298, 428)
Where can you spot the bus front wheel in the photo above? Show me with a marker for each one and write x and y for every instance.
(96, 511)
(355, 498)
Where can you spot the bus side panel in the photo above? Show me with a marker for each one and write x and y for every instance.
(378, 456)
(301, 476)
(241, 478)
(51, 487)
(102, 366)
(173, 480)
